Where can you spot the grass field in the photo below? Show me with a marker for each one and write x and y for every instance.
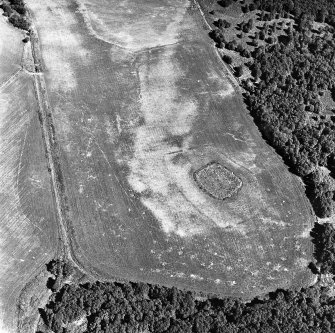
(140, 101)
(28, 229)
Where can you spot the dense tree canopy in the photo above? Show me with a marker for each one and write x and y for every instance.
(285, 103)
(140, 307)
(324, 240)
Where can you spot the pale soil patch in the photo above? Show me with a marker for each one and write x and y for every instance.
(134, 25)
(174, 198)
(77, 326)
(60, 43)
(328, 103)
(327, 220)
(162, 168)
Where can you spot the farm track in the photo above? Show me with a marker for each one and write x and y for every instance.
(52, 153)
(49, 138)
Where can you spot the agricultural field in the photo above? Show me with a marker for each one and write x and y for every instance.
(28, 228)
(127, 150)
(140, 101)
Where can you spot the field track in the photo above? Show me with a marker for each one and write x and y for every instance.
(140, 100)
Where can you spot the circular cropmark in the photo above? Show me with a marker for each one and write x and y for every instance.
(217, 181)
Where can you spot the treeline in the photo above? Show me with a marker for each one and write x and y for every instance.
(141, 307)
(16, 12)
(285, 102)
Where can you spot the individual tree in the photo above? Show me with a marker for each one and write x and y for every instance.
(321, 15)
(270, 40)
(220, 44)
(227, 59)
(238, 71)
(225, 3)
(222, 23)
(245, 9)
(245, 53)
(247, 26)
(254, 42)
(252, 7)
(219, 23)
(226, 24)
(239, 48)
(231, 45)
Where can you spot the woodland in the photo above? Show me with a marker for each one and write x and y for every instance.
(141, 307)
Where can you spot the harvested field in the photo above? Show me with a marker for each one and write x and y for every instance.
(28, 229)
(11, 51)
(140, 101)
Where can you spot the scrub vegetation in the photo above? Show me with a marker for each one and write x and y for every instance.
(16, 12)
(321, 10)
